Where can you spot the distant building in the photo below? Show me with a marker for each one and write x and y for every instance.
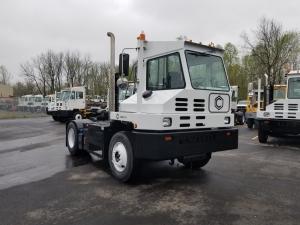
(6, 91)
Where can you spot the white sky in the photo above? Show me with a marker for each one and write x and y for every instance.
(31, 27)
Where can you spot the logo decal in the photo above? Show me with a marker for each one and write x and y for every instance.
(117, 116)
(219, 101)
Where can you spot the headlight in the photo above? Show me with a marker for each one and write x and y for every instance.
(227, 120)
(167, 122)
(266, 114)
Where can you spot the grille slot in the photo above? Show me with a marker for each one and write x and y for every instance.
(181, 104)
(200, 117)
(199, 105)
(200, 124)
(292, 117)
(184, 125)
(185, 117)
(293, 107)
(278, 116)
(278, 106)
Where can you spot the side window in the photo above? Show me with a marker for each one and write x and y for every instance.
(72, 95)
(165, 73)
(79, 95)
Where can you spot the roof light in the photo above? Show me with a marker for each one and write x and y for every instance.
(142, 36)
(191, 40)
(200, 43)
(288, 70)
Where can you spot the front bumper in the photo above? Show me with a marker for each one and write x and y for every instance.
(153, 146)
(279, 127)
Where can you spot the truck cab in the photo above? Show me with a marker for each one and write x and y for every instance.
(281, 117)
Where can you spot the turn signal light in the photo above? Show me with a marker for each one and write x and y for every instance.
(168, 138)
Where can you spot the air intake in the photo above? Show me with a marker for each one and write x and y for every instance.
(293, 107)
(278, 106)
(181, 104)
(199, 105)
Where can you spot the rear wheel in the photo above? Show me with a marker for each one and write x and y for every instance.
(262, 136)
(199, 163)
(123, 165)
(72, 140)
(250, 123)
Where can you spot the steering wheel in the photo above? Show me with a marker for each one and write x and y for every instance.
(198, 82)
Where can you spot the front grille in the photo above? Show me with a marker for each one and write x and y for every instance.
(199, 105)
(293, 107)
(181, 104)
(278, 106)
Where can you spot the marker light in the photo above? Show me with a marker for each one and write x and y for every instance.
(288, 70)
(168, 138)
(191, 40)
(142, 36)
(167, 122)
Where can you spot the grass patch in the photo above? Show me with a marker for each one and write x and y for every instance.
(13, 115)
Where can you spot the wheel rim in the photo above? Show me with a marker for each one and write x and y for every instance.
(71, 137)
(243, 119)
(78, 117)
(119, 156)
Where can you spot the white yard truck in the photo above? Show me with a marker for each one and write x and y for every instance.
(181, 110)
(72, 105)
(281, 117)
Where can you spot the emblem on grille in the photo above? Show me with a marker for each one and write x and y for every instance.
(117, 116)
(219, 101)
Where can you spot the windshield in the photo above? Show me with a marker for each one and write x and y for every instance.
(47, 99)
(65, 95)
(126, 92)
(294, 88)
(38, 99)
(31, 99)
(206, 71)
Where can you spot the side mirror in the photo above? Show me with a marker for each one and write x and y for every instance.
(122, 83)
(125, 63)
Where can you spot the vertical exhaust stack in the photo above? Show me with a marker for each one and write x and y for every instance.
(111, 80)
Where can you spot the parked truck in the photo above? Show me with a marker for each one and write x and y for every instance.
(181, 110)
(281, 117)
(239, 116)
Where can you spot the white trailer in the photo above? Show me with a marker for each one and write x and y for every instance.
(181, 110)
(281, 117)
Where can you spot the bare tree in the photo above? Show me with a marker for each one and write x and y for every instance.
(5, 76)
(273, 47)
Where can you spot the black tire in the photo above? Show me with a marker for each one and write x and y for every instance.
(77, 116)
(120, 147)
(250, 123)
(242, 119)
(72, 140)
(262, 136)
(55, 118)
(199, 163)
(62, 119)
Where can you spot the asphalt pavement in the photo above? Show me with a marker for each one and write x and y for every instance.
(40, 183)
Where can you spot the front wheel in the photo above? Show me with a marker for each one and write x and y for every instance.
(250, 123)
(77, 116)
(123, 165)
(62, 119)
(242, 119)
(198, 163)
(262, 136)
(54, 118)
